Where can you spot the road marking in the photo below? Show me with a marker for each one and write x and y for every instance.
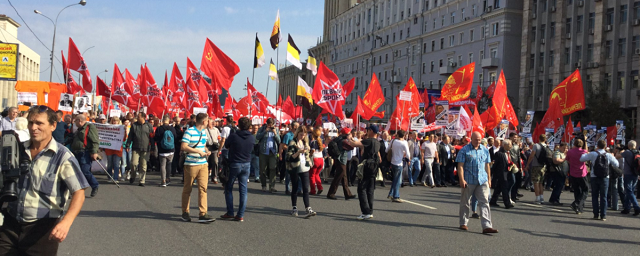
(414, 203)
(540, 206)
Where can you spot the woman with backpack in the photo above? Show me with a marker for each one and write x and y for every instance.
(165, 138)
(298, 167)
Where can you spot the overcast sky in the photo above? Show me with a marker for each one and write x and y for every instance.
(160, 32)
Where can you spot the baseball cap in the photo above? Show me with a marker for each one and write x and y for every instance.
(373, 128)
(345, 130)
(102, 116)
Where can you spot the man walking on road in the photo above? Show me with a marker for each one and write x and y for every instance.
(269, 140)
(196, 167)
(85, 147)
(601, 163)
(630, 180)
(475, 179)
(139, 142)
(240, 145)
(370, 148)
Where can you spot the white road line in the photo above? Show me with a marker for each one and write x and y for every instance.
(540, 206)
(414, 203)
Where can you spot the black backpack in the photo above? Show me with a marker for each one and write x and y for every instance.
(335, 147)
(545, 156)
(601, 166)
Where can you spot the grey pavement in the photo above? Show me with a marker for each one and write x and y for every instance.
(136, 220)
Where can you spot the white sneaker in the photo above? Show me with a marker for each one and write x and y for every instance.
(294, 212)
(364, 217)
(310, 212)
(368, 216)
(361, 217)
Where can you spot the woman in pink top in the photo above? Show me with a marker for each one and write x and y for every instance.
(578, 175)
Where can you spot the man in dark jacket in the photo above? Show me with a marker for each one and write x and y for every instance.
(501, 163)
(443, 158)
(515, 158)
(166, 148)
(175, 169)
(140, 142)
(240, 145)
(85, 146)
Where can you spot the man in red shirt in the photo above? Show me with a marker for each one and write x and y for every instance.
(578, 175)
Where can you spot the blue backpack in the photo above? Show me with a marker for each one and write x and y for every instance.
(168, 141)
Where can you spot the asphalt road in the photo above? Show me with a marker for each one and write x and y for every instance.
(136, 220)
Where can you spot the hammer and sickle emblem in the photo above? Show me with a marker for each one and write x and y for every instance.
(209, 56)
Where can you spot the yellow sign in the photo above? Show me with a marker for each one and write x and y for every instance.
(8, 61)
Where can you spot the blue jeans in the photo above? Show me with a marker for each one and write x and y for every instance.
(616, 192)
(238, 171)
(397, 180)
(255, 166)
(126, 161)
(414, 170)
(630, 183)
(113, 164)
(84, 159)
(287, 182)
(599, 189)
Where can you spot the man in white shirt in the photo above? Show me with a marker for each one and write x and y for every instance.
(400, 149)
(430, 150)
(9, 123)
(600, 179)
(354, 160)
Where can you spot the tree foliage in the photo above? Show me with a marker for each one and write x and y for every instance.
(602, 109)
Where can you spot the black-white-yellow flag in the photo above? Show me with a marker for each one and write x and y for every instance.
(312, 64)
(273, 71)
(293, 53)
(258, 60)
(275, 33)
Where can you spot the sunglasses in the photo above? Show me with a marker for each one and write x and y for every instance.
(42, 108)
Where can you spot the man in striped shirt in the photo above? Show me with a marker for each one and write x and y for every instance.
(36, 223)
(196, 167)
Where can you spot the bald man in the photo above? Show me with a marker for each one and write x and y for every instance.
(475, 179)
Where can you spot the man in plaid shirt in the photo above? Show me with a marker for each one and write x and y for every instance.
(36, 223)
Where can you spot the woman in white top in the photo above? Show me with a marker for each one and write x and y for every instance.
(22, 130)
(298, 165)
(399, 148)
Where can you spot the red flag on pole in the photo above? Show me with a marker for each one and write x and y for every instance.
(569, 95)
(76, 63)
(458, 86)
(218, 66)
(568, 131)
(348, 87)
(153, 98)
(476, 123)
(72, 86)
(612, 133)
(500, 97)
(511, 113)
(102, 89)
(288, 107)
(373, 98)
(133, 88)
(328, 92)
(478, 95)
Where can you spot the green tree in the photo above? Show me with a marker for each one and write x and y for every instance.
(602, 109)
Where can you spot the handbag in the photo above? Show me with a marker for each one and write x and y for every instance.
(360, 171)
(379, 177)
(183, 155)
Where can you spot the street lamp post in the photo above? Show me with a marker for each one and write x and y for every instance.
(393, 67)
(55, 26)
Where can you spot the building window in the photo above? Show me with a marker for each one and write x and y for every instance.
(483, 32)
(551, 59)
(494, 29)
(622, 47)
(636, 10)
(533, 34)
(453, 17)
(439, 84)
(609, 17)
(433, 66)
(470, 57)
(494, 52)
(471, 35)
(567, 55)
(621, 80)
(441, 43)
(592, 20)
(607, 80)
(481, 79)
(607, 48)
(541, 60)
(634, 79)
(481, 54)
(578, 56)
(623, 14)
(400, 34)
(452, 40)
(461, 37)
(635, 43)
(386, 58)
(385, 75)
(568, 25)
(579, 24)
(543, 30)
(496, 4)
(394, 37)
(540, 87)
(473, 10)
(462, 14)
(532, 60)
(552, 29)
(590, 52)
(442, 22)
(440, 63)
(431, 84)
(433, 45)
(385, 92)
(492, 77)
(459, 60)
(424, 68)
(434, 24)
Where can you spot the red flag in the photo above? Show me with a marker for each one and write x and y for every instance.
(612, 133)
(476, 123)
(569, 94)
(458, 86)
(374, 98)
(153, 98)
(288, 107)
(409, 108)
(279, 102)
(259, 102)
(328, 92)
(121, 89)
(490, 118)
(500, 97)
(511, 114)
(478, 95)
(364, 111)
(177, 82)
(218, 66)
(551, 119)
(142, 80)
(492, 88)
(102, 89)
(348, 87)
(214, 107)
(72, 86)
(431, 114)
(194, 98)
(568, 131)
(193, 72)
(133, 88)
(76, 62)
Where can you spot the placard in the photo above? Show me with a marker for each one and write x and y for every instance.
(528, 121)
(591, 135)
(28, 98)
(347, 122)
(199, 110)
(603, 136)
(558, 135)
(453, 119)
(111, 136)
(502, 129)
(82, 104)
(442, 109)
(331, 127)
(9, 61)
(66, 102)
(551, 140)
(620, 130)
(405, 96)
(115, 113)
(417, 122)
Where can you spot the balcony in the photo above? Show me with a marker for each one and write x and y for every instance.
(447, 70)
(490, 62)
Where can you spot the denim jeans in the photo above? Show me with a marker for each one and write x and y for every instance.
(599, 190)
(558, 185)
(414, 170)
(287, 182)
(255, 166)
(126, 161)
(397, 180)
(238, 171)
(84, 159)
(616, 192)
(113, 163)
(630, 182)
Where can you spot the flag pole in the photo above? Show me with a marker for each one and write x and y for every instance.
(278, 85)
